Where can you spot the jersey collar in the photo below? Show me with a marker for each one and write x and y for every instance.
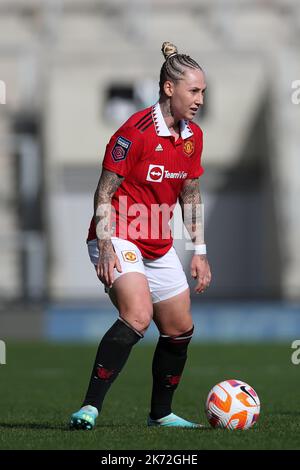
(161, 127)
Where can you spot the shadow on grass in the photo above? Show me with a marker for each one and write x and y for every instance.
(63, 427)
(33, 426)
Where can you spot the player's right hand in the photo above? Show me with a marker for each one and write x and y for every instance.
(108, 260)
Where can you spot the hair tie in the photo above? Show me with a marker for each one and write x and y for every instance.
(171, 55)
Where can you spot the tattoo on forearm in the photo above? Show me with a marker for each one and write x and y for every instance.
(192, 210)
(107, 186)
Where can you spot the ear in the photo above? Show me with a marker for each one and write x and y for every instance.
(169, 88)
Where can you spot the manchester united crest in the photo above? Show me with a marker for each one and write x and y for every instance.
(129, 256)
(188, 147)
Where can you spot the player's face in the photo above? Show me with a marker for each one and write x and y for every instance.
(188, 94)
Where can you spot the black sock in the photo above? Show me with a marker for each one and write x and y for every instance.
(168, 364)
(112, 354)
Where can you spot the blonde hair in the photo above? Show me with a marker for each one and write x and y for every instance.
(174, 66)
(168, 49)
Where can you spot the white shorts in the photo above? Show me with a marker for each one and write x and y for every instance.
(165, 275)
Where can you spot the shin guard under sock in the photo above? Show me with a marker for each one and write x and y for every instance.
(167, 367)
(112, 354)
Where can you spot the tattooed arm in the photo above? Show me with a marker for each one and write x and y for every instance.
(192, 215)
(107, 186)
(191, 208)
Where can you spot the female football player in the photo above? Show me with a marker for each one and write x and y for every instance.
(152, 161)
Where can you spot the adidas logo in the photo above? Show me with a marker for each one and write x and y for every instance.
(159, 148)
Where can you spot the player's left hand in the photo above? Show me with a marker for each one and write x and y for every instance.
(200, 270)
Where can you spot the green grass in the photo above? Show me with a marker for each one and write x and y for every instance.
(42, 384)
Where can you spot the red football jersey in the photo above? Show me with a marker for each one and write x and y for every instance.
(154, 167)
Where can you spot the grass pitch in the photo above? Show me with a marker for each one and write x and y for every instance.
(42, 384)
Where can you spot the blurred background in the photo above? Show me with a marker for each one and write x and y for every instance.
(71, 71)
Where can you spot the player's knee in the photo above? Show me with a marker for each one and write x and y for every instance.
(180, 327)
(142, 320)
(183, 329)
(186, 334)
(138, 317)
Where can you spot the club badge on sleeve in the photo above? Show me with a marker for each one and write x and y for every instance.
(120, 149)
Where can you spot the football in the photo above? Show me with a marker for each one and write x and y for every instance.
(232, 404)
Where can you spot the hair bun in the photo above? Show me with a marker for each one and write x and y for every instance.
(168, 49)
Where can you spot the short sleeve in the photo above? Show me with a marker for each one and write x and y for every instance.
(122, 151)
(196, 168)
